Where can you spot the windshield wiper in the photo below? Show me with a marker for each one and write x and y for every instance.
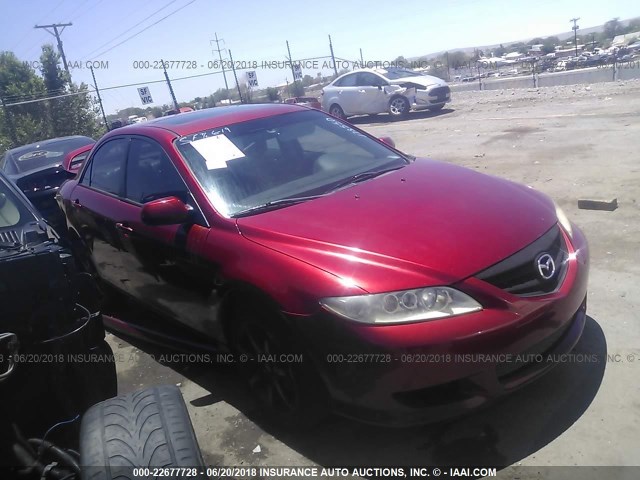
(281, 202)
(361, 177)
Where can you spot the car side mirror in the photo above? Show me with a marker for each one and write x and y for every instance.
(388, 140)
(166, 211)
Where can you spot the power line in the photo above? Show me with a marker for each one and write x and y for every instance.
(48, 98)
(86, 10)
(42, 19)
(29, 96)
(144, 29)
(51, 11)
(129, 29)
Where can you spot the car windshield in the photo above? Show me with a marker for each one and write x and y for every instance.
(300, 154)
(39, 155)
(396, 73)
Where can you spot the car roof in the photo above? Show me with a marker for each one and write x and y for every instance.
(196, 121)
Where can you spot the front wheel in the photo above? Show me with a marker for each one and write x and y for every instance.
(337, 111)
(277, 371)
(399, 107)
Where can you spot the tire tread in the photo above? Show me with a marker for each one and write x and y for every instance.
(147, 428)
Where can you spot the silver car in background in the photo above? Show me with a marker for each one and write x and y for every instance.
(393, 90)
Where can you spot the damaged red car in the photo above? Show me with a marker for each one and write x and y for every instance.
(340, 271)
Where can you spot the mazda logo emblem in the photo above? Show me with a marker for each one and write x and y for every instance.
(546, 266)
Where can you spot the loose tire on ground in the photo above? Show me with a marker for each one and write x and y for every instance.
(148, 428)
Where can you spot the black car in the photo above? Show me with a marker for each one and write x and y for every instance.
(55, 366)
(37, 170)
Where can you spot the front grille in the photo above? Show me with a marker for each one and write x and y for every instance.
(10, 236)
(519, 273)
(440, 93)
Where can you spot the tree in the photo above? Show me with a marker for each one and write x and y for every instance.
(612, 27)
(400, 61)
(19, 83)
(74, 114)
(307, 80)
(296, 89)
(272, 94)
(518, 47)
(458, 59)
(549, 45)
(499, 51)
(634, 26)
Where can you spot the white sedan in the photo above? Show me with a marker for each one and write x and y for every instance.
(393, 90)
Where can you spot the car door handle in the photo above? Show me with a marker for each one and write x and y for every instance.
(76, 203)
(124, 227)
(362, 91)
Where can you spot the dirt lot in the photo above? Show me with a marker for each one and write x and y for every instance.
(569, 142)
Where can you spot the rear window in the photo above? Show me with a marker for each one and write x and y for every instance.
(39, 155)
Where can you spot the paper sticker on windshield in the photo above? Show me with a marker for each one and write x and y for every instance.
(217, 151)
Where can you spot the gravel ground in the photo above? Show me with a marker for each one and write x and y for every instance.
(571, 142)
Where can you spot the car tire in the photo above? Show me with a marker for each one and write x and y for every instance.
(336, 111)
(148, 428)
(399, 106)
(437, 108)
(291, 394)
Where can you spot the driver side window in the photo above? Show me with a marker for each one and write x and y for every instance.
(151, 174)
(106, 171)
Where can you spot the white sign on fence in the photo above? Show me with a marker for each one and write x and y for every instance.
(297, 72)
(252, 79)
(145, 95)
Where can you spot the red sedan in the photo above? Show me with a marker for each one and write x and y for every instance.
(340, 271)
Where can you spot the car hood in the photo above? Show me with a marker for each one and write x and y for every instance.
(424, 80)
(429, 223)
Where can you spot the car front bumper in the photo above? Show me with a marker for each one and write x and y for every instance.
(429, 371)
(431, 98)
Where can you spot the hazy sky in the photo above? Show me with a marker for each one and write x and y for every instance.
(257, 31)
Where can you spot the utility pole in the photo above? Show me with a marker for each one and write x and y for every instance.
(361, 59)
(95, 85)
(220, 50)
(448, 71)
(575, 33)
(293, 73)
(173, 95)
(593, 41)
(56, 34)
(235, 76)
(333, 58)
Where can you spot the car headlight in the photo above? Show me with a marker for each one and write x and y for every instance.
(564, 221)
(403, 306)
